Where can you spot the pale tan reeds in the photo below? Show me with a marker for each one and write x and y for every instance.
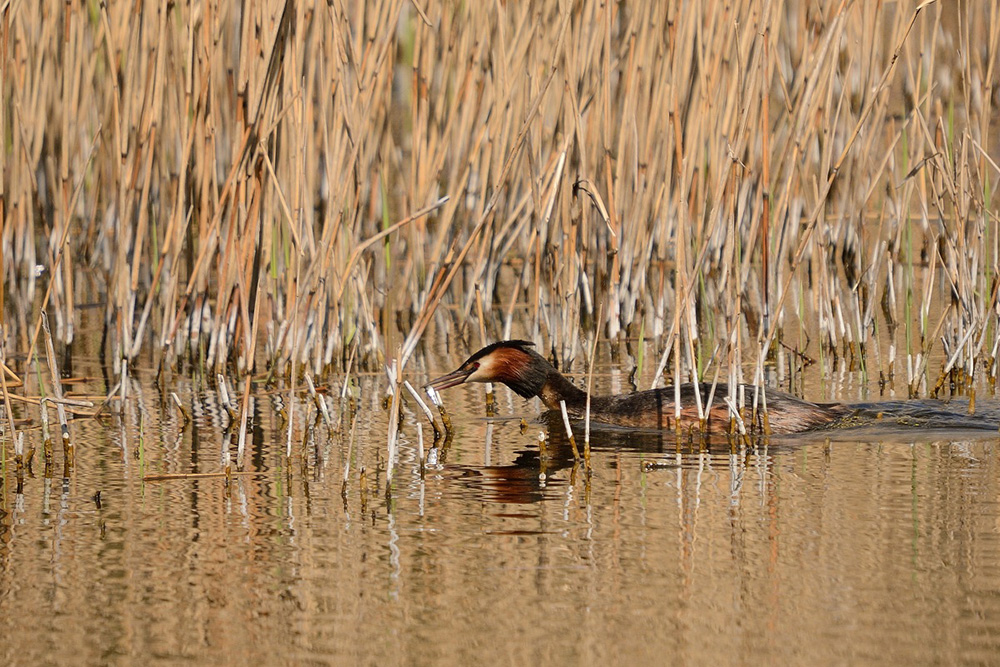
(297, 184)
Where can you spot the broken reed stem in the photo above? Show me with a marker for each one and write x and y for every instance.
(8, 410)
(396, 387)
(170, 477)
(320, 403)
(123, 386)
(569, 430)
(291, 418)
(73, 405)
(734, 413)
(490, 396)
(423, 407)
(420, 448)
(180, 406)
(56, 384)
(251, 358)
(590, 385)
(47, 452)
(225, 399)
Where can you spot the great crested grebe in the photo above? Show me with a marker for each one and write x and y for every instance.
(516, 365)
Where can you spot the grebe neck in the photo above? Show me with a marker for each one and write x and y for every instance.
(558, 388)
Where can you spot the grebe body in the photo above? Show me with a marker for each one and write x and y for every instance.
(516, 365)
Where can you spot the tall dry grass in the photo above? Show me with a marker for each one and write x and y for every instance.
(281, 187)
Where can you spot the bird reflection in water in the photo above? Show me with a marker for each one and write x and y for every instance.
(543, 471)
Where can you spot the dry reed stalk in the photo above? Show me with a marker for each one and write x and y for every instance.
(225, 398)
(423, 407)
(180, 406)
(4, 69)
(8, 411)
(56, 384)
(591, 365)
(169, 477)
(255, 154)
(319, 402)
(72, 405)
(569, 430)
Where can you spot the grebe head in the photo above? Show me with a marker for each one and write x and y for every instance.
(510, 362)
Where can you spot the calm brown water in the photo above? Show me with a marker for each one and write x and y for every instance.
(860, 550)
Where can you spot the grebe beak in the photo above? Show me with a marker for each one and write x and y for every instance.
(451, 379)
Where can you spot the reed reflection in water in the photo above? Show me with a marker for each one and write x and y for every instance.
(835, 547)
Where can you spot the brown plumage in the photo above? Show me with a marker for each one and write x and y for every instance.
(525, 371)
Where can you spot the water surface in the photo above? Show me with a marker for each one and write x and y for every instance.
(847, 547)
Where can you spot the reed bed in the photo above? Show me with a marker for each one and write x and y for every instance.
(306, 190)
